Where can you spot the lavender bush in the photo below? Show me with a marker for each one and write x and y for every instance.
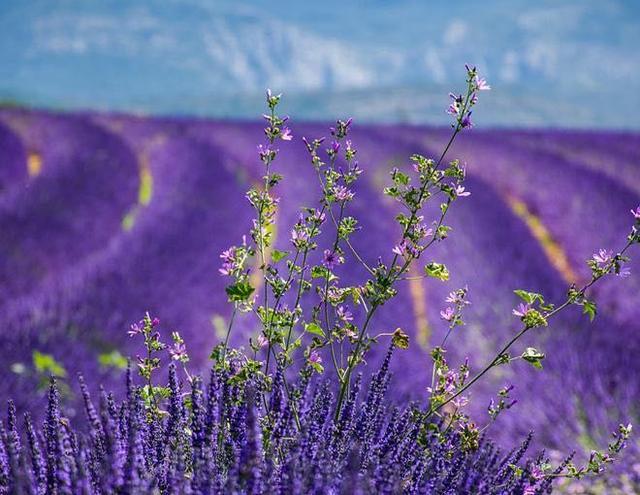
(286, 413)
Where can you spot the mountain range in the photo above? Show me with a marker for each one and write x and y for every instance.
(550, 63)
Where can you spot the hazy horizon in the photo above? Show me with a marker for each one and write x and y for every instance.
(550, 65)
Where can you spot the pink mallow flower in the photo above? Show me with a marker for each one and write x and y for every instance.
(261, 341)
(400, 248)
(178, 351)
(228, 258)
(314, 357)
(603, 256)
(481, 84)
(342, 193)
(521, 310)
(448, 314)
(331, 259)
(299, 237)
(135, 329)
(344, 314)
(460, 191)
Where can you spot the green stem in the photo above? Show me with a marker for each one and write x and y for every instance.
(513, 340)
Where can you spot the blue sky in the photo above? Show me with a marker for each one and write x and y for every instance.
(550, 62)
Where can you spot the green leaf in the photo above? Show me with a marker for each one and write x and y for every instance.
(278, 255)
(113, 359)
(240, 291)
(533, 356)
(437, 270)
(400, 339)
(314, 329)
(529, 297)
(589, 308)
(317, 367)
(400, 178)
(322, 272)
(46, 363)
(319, 272)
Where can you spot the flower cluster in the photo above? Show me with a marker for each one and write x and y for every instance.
(460, 106)
(266, 421)
(217, 438)
(331, 329)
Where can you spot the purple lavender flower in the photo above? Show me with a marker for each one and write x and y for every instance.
(636, 213)
(122, 448)
(286, 135)
(624, 272)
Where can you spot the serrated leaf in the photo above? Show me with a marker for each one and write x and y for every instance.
(589, 308)
(529, 297)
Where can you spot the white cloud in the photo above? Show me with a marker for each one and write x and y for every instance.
(456, 32)
(509, 70)
(435, 65)
(559, 18)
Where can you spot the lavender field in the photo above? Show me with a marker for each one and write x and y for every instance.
(103, 217)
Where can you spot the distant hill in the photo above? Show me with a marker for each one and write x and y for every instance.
(570, 64)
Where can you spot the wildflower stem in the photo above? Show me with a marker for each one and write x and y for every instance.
(262, 244)
(497, 359)
(226, 338)
(425, 186)
(353, 360)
